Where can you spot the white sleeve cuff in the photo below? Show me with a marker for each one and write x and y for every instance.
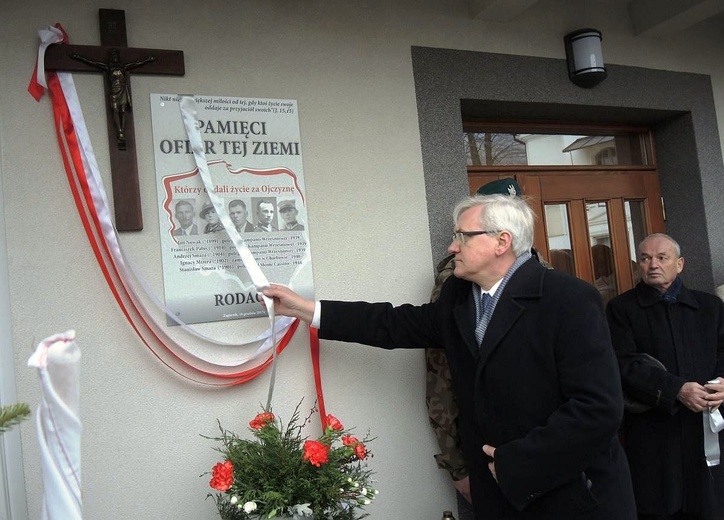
(317, 318)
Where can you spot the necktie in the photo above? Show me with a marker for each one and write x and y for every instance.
(483, 316)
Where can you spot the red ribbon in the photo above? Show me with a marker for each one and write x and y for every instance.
(314, 352)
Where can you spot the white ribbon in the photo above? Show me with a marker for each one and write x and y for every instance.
(187, 105)
(188, 112)
(48, 37)
(713, 424)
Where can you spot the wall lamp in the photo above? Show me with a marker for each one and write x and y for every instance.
(585, 60)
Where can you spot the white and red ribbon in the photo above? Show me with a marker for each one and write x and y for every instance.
(91, 201)
(48, 37)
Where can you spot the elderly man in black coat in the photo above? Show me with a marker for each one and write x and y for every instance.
(532, 367)
(683, 331)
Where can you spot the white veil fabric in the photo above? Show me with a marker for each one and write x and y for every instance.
(57, 359)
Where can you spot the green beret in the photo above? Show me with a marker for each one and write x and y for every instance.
(500, 187)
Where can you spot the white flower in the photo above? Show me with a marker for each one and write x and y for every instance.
(363, 491)
(249, 507)
(302, 510)
(234, 499)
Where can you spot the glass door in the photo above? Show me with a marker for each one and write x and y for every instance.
(606, 215)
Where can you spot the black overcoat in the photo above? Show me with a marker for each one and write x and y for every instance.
(543, 389)
(665, 445)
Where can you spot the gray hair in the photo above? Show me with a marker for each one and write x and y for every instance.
(677, 248)
(512, 214)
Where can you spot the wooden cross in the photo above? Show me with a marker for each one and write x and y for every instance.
(115, 59)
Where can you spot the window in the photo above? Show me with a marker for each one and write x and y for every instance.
(547, 149)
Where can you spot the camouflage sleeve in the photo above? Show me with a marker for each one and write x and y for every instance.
(538, 256)
(441, 406)
(443, 411)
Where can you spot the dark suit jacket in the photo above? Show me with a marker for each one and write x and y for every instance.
(247, 228)
(179, 232)
(544, 389)
(665, 445)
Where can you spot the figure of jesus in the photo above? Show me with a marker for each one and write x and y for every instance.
(117, 74)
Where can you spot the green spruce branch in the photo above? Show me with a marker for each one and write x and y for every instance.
(12, 415)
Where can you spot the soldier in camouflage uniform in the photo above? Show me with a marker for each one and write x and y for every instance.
(441, 406)
(443, 411)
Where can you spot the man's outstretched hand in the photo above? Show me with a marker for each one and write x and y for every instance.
(289, 303)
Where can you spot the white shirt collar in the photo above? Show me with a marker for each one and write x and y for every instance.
(492, 290)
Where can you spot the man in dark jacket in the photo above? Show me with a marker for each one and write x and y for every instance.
(683, 330)
(532, 366)
(439, 397)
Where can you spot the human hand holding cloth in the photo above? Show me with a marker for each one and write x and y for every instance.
(713, 422)
(289, 303)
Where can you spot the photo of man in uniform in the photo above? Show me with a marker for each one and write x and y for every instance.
(265, 213)
(288, 211)
(213, 224)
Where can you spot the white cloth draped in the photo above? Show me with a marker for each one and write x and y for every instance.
(713, 424)
(57, 359)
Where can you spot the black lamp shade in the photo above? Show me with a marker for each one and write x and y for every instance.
(584, 56)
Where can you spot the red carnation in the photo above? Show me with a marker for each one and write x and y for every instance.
(333, 422)
(222, 476)
(316, 453)
(360, 451)
(261, 420)
(349, 440)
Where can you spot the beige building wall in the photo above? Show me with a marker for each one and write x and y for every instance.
(348, 66)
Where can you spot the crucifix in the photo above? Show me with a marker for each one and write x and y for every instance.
(116, 60)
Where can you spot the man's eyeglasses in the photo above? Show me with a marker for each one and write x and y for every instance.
(461, 236)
